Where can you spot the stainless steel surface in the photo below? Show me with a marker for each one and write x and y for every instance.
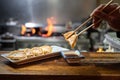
(39, 10)
(59, 29)
(28, 42)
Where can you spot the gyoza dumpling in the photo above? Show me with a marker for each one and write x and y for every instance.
(73, 40)
(68, 34)
(37, 51)
(46, 49)
(17, 55)
(29, 52)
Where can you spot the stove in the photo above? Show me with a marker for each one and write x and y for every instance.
(7, 42)
(34, 35)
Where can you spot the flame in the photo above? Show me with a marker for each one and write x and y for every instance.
(49, 28)
(23, 30)
(100, 49)
(33, 31)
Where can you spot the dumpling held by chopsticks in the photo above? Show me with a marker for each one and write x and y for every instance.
(73, 40)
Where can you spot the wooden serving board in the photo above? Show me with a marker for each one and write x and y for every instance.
(103, 57)
(55, 52)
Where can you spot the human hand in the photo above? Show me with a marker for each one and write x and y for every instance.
(112, 19)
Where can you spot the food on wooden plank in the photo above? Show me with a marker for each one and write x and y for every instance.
(29, 53)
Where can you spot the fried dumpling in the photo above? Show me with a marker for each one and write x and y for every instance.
(29, 52)
(68, 34)
(73, 40)
(46, 49)
(37, 51)
(17, 55)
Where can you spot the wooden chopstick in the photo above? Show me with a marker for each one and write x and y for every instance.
(97, 22)
(79, 27)
(82, 24)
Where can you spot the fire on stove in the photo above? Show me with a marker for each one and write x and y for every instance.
(33, 29)
(33, 35)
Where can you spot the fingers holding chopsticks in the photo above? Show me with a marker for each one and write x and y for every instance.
(112, 19)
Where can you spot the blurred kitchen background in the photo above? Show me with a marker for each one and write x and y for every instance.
(30, 23)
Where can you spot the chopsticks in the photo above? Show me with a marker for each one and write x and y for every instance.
(97, 22)
(73, 39)
(87, 22)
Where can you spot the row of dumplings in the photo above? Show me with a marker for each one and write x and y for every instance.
(28, 53)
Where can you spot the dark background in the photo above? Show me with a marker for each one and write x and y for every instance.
(39, 10)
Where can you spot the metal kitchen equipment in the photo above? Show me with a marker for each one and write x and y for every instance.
(7, 42)
(112, 40)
